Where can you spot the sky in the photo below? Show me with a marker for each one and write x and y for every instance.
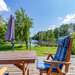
(46, 14)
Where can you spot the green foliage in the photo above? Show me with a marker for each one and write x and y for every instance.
(63, 30)
(73, 48)
(51, 36)
(44, 38)
(56, 33)
(73, 45)
(23, 25)
(2, 29)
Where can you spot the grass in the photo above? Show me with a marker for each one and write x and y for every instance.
(39, 50)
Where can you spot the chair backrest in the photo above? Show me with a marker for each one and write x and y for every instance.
(63, 48)
(68, 54)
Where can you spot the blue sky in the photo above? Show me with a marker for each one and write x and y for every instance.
(46, 14)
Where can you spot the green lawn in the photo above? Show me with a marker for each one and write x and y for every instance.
(38, 50)
(41, 50)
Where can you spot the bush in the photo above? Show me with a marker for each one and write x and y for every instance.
(73, 45)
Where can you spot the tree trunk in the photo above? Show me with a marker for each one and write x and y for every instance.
(12, 43)
(26, 44)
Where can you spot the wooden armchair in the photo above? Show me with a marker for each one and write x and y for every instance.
(61, 58)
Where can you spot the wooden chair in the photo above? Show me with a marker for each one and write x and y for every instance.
(61, 58)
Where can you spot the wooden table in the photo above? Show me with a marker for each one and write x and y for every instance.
(19, 59)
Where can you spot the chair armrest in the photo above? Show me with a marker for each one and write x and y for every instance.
(49, 55)
(57, 62)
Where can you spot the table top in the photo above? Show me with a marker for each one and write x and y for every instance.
(17, 55)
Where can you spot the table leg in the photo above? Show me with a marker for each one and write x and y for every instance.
(28, 71)
(24, 69)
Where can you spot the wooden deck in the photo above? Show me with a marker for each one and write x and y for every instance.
(33, 71)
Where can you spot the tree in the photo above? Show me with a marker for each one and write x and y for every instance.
(23, 25)
(56, 33)
(72, 26)
(36, 37)
(50, 37)
(63, 30)
(2, 29)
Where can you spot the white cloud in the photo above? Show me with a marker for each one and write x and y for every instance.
(52, 27)
(69, 18)
(3, 6)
